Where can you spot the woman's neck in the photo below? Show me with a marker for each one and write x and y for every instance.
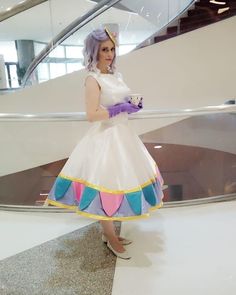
(103, 69)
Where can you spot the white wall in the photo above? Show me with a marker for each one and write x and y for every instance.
(192, 70)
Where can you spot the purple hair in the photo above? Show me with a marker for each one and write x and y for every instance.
(91, 49)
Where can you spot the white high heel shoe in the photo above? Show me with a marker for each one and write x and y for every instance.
(123, 255)
(123, 242)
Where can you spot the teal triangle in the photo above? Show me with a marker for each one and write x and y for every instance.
(62, 185)
(135, 203)
(87, 197)
(149, 194)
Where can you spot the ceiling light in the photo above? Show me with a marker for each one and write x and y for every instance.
(157, 146)
(187, 110)
(217, 2)
(221, 10)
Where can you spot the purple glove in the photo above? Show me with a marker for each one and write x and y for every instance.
(122, 107)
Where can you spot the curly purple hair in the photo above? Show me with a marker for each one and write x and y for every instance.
(91, 49)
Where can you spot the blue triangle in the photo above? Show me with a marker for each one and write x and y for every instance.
(149, 194)
(135, 203)
(62, 185)
(87, 197)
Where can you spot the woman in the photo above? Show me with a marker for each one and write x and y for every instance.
(110, 175)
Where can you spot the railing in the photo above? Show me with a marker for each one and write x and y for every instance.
(144, 114)
(18, 8)
(48, 209)
(215, 156)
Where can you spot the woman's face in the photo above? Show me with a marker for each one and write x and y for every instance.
(106, 53)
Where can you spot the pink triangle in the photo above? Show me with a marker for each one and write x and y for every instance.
(111, 202)
(78, 187)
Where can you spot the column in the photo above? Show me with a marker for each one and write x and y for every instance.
(25, 53)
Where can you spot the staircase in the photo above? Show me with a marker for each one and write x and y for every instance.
(202, 13)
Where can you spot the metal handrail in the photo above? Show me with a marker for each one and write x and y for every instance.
(18, 8)
(143, 114)
(68, 31)
(170, 204)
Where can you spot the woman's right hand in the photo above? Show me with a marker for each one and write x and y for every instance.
(123, 107)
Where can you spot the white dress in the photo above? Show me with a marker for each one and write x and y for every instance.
(110, 175)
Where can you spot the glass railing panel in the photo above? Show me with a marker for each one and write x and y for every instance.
(196, 157)
(139, 24)
(133, 21)
(8, 5)
(17, 36)
(10, 8)
(27, 33)
(201, 13)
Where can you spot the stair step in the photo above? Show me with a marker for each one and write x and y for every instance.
(194, 25)
(227, 13)
(171, 30)
(195, 21)
(209, 5)
(164, 37)
(194, 12)
(196, 18)
(228, 2)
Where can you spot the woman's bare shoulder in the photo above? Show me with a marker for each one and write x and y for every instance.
(91, 80)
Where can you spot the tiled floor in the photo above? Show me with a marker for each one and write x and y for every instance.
(185, 250)
(75, 263)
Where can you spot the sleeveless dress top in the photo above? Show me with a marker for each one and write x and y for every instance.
(110, 175)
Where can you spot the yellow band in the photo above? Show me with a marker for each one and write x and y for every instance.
(100, 217)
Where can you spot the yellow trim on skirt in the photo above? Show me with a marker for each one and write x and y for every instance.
(100, 217)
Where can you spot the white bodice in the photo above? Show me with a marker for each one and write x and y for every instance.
(113, 88)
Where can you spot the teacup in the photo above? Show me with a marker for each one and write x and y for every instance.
(136, 99)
